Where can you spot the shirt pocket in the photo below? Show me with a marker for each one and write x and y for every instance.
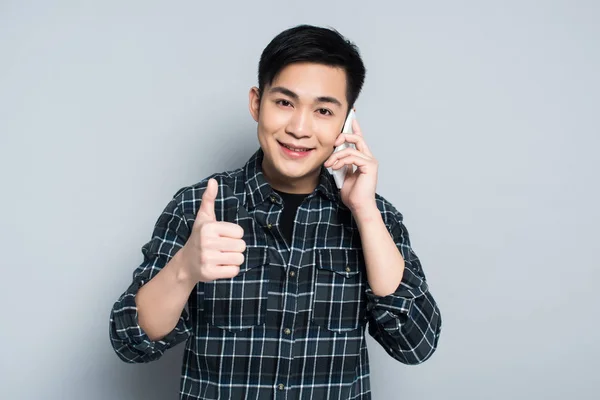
(240, 302)
(339, 293)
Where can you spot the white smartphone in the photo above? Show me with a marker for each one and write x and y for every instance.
(340, 174)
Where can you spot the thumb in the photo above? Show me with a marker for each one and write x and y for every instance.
(207, 207)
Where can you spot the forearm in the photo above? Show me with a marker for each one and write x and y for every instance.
(404, 318)
(161, 301)
(384, 262)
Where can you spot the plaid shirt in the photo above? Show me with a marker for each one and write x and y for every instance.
(292, 324)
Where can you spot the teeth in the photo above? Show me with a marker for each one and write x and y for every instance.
(291, 148)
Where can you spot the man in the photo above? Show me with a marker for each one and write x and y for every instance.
(269, 272)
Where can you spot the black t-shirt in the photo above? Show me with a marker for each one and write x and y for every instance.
(291, 202)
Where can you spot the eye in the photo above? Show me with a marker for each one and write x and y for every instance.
(283, 103)
(324, 111)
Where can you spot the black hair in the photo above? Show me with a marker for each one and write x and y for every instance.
(307, 43)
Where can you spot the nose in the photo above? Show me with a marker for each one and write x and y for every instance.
(299, 124)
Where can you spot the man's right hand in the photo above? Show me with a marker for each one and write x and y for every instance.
(214, 248)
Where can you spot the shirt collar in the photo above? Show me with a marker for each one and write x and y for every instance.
(259, 190)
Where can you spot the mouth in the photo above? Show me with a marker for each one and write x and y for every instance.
(295, 151)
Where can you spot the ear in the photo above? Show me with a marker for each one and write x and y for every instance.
(254, 102)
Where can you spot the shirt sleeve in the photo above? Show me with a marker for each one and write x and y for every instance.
(129, 341)
(406, 323)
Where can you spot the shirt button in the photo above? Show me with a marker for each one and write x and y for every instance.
(269, 226)
(292, 274)
(273, 199)
(287, 331)
(347, 269)
(281, 386)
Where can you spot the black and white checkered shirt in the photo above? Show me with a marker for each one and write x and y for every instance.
(292, 324)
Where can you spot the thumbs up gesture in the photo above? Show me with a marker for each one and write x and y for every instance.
(214, 248)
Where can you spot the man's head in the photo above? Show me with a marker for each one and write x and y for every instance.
(308, 80)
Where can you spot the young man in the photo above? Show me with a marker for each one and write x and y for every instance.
(269, 272)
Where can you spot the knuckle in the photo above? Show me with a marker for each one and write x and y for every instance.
(240, 231)
(205, 228)
(231, 272)
(204, 258)
(207, 277)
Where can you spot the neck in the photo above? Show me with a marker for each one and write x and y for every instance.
(303, 185)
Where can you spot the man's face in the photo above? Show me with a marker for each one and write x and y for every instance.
(304, 108)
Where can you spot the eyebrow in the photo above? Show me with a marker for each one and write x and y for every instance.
(293, 95)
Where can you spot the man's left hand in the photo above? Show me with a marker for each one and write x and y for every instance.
(358, 191)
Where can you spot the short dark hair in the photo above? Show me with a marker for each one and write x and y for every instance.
(307, 43)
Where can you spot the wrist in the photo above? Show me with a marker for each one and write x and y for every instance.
(181, 269)
(367, 213)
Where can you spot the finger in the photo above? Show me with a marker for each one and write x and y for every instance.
(356, 128)
(360, 162)
(227, 229)
(226, 244)
(358, 141)
(206, 212)
(224, 272)
(212, 258)
(344, 153)
(224, 258)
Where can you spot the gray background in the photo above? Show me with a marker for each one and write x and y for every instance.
(483, 115)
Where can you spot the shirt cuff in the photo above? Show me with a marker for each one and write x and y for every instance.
(136, 336)
(400, 302)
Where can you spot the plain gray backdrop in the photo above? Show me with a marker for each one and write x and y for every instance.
(484, 117)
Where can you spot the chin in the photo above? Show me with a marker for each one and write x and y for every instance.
(294, 174)
(295, 171)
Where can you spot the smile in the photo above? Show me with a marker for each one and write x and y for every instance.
(295, 151)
